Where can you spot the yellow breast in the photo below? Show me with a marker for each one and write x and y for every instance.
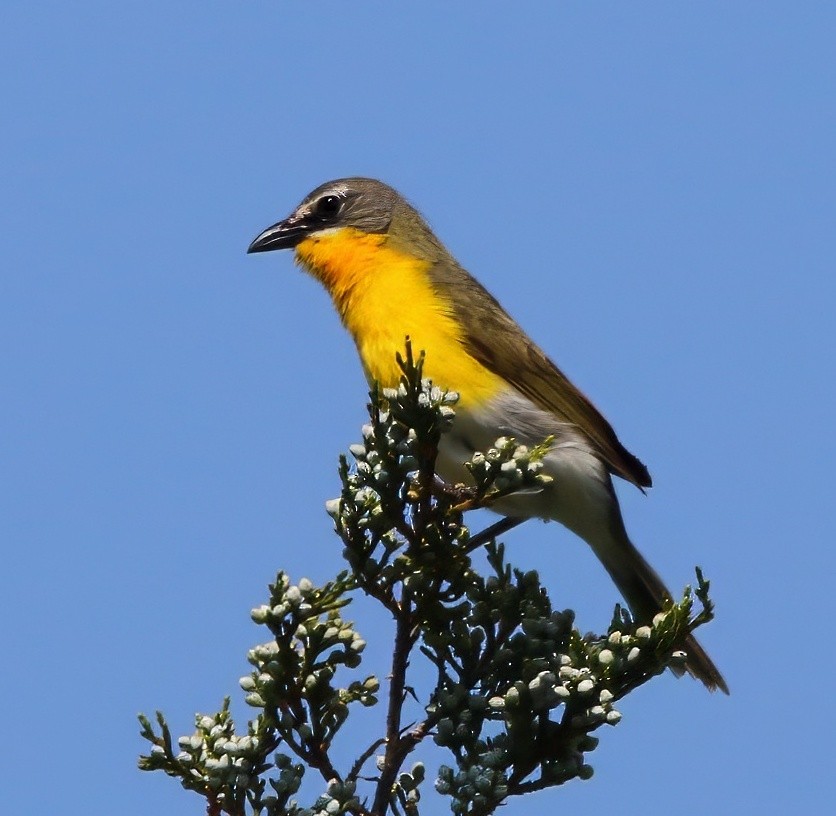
(383, 296)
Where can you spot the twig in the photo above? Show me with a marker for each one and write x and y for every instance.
(519, 788)
(213, 805)
(319, 759)
(354, 773)
(489, 533)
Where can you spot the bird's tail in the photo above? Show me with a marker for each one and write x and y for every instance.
(645, 593)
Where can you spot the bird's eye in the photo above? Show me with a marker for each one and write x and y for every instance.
(328, 206)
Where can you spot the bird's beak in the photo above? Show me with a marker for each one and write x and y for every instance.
(284, 235)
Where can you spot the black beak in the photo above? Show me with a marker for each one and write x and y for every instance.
(284, 235)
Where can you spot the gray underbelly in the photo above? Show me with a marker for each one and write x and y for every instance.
(580, 495)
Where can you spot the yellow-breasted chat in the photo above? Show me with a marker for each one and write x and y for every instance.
(390, 277)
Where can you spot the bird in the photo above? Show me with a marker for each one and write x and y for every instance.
(391, 278)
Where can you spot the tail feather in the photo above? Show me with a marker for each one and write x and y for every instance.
(645, 593)
(700, 666)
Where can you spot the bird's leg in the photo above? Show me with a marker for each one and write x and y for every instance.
(457, 492)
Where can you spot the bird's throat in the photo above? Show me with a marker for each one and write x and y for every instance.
(383, 296)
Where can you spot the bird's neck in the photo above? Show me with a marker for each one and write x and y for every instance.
(384, 295)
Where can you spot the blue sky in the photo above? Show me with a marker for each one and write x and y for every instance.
(647, 187)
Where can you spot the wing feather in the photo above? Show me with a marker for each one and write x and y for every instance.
(499, 344)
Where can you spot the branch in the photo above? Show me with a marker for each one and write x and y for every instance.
(392, 760)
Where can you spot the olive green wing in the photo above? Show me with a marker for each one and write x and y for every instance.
(499, 344)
